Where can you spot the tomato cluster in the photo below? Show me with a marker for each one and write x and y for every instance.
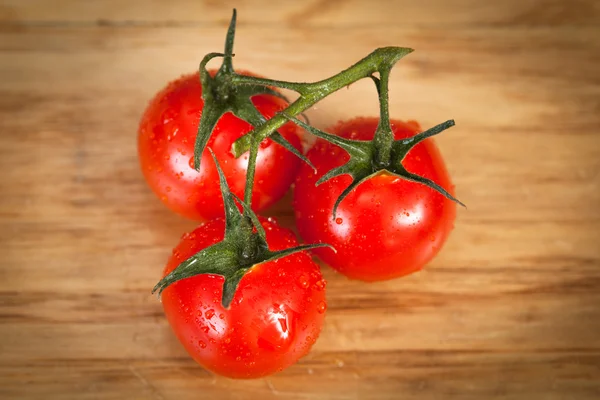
(241, 295)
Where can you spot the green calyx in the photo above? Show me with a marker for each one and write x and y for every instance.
(365, 159)
(243, 247)
(221, 94)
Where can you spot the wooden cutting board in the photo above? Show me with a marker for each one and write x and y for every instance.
(511, 307)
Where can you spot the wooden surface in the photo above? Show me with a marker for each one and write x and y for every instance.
(509, 310)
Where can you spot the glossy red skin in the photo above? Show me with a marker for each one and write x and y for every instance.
(275, 317)
(166, 138)
(387, 227)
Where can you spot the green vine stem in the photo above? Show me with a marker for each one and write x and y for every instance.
(382, 59)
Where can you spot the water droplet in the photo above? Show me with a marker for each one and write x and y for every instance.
(210, 313)
(202, 344)
(169, 115)
(319, 285)
(321, 307)
(303, 281)
(227, 340)
(339, 221)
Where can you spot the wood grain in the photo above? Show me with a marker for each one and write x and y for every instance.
(508, 310)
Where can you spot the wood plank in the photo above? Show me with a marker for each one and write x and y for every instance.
(340, 376)
(337, 13)
(117, 325)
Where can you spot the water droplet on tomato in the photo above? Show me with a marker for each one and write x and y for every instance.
(202, 344)
(321, 307)
(227, 340)
(303, 281)
(209, 313)
(169, 115)
(320, 284)
(339, 221)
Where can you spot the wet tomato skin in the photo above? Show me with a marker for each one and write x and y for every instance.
(166, 138)
(387, 227)
(275, 317)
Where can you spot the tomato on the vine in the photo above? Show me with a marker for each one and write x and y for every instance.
(166, 138)
(273, 320)
(387, 226)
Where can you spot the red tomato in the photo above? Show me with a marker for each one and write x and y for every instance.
(166, 138)
(387, 227)
(275, 317)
